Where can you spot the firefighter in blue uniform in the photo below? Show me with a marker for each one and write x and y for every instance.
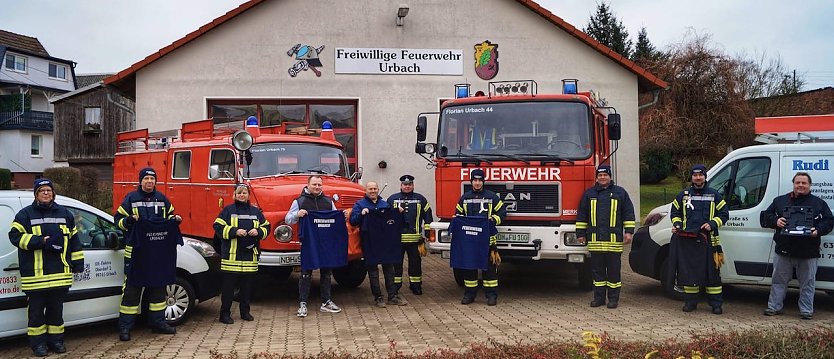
(416, 219)
(48, 252)
(144, 202)
(606, 221)
(480, 202)
(695, 250)
(240, 226)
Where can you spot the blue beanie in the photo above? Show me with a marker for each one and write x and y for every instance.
(699, 168)
(40, 182)
(604, 169)
(476, 174)
(147, 171)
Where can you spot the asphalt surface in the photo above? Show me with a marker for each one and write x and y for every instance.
(536, 303)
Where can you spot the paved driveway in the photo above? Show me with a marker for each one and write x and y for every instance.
(535, 304)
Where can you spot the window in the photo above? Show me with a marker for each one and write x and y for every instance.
(57, 71)
(293, 113)
(743, 183)
(92, 119)
(222, 164)
(36, 145)
(16, 63)
(182, 165)
(93, 230)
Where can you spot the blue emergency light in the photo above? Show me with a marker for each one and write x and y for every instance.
(569, 86)
(326, 125)
(252, 121)
(461, 90)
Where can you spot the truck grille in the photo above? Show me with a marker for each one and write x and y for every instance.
(542, 199)
(347, 201)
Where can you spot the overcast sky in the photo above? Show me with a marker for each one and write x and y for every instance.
(110, 35)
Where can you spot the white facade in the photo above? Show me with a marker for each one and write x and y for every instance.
(16, 151)
(246, 57)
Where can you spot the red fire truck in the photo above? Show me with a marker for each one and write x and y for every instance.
(199, 168)
(539, 153)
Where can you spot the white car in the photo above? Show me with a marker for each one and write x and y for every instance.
(96, 293)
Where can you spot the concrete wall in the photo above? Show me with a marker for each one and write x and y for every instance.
(247, 57)
(16, 147)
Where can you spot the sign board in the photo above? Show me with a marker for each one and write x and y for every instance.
(390, 61)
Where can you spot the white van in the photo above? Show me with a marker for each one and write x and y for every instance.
(749, 179)
(95, 294)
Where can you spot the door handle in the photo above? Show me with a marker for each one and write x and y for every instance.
(12, 267)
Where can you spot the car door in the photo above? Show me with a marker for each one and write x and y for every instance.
(13, 317)
(96, 292)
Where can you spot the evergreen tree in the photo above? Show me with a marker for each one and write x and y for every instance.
(605, 28)
(643, 49)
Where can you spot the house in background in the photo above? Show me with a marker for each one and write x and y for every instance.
(29, 76)
(86, 123)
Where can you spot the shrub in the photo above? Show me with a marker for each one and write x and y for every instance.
(81, 184)
(655, 166)
(5, 178)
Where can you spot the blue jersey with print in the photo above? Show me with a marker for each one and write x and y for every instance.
(154, 262)
(381, 242)
(324, 240)
(470, 242)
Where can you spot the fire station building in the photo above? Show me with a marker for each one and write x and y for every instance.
(370, 67)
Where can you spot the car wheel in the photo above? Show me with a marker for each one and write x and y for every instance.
(351, 275)
(670, 287)
(179, 301)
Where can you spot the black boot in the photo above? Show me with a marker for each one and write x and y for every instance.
(164, 328)
(247, 317)
(40, 350)
(689, 306)
(492, 301)
(124, 334)
(56, 344)
(612, 303)
(416, 288)
(467, 299)
(226, 318)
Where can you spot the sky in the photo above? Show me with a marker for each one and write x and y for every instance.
(110, 35)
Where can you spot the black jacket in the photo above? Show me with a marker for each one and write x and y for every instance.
(240, 254)
(43, 265)
(416, 217)
(146, 205)
(604, 213)
(798, 246)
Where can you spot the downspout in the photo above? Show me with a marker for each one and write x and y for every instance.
(653, 102)
(123, 107)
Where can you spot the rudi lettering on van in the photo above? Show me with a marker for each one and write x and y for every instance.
(800, 165)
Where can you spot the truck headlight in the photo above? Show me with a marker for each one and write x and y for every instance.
(444, 237)
(205, 249)
(572, 240)
(283, 233)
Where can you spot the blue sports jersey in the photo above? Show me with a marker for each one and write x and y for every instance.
(470, 242)
(324, 240)
(381, 242)
(154, 261)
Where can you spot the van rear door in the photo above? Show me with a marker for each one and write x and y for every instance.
(13, 317)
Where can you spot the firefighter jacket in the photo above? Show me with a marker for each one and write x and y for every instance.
(483, 203)
(798, 246)
(604, 214)
(46, 264)
(365, 202)
(695, 206)
(416, 217)
(146, 205)
(240, 254)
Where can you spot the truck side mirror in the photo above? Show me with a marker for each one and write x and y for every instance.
(214, 172)
(614, 127)
(356, 176)
(112, 241)
(421, 128)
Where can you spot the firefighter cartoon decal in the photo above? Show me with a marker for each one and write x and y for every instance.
(486, 60)
(308, 58)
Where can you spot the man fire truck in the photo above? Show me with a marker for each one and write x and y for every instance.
(539, 153)
(199, 169)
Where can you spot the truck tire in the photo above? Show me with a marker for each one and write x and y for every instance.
(179, 301)
(584, 280)
(669, 286)
(458, 276)
(351, 275)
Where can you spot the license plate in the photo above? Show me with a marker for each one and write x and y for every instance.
(513, 237)
(290, 260)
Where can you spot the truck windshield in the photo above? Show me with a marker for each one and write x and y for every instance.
(517, 129)
(273, 159)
